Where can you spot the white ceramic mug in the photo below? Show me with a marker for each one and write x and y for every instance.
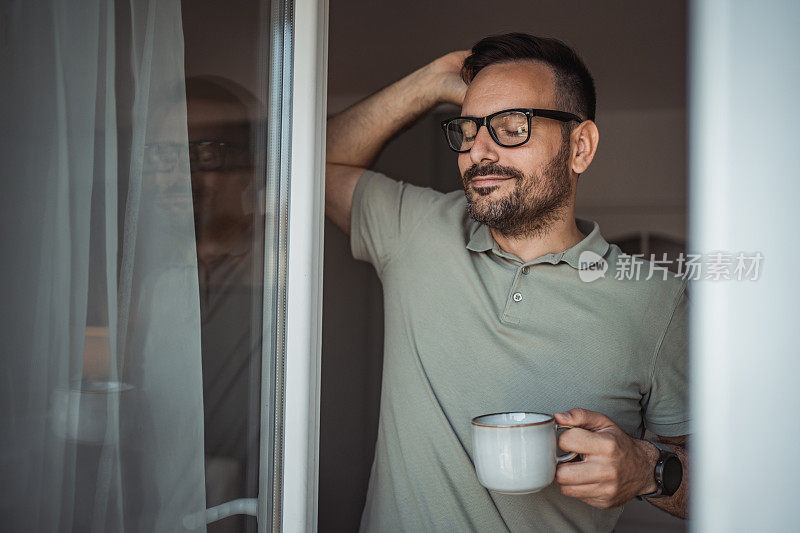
(516, 453)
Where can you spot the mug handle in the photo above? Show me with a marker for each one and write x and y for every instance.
(567, 457)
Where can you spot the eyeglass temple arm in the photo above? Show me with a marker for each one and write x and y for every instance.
(557, 115)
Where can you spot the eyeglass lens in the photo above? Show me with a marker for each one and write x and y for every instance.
(509, 128)
(203, 156)
(210, 155)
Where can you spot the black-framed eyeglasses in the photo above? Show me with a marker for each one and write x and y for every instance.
(166, 157)
(508, 128)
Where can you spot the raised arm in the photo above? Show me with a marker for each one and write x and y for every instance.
(356, 136)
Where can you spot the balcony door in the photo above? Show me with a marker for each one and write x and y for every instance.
(162, 205)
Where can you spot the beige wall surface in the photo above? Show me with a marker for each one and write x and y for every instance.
(637, 183)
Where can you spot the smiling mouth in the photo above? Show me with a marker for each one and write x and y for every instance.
(487, 181)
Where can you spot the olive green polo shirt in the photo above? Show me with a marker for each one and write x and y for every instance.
(471, 329)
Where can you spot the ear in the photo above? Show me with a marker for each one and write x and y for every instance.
(584, 141)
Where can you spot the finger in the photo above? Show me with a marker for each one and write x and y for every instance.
(586, 442)
(591, 420)
(584, 473)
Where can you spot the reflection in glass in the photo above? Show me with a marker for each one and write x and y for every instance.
(224, 196)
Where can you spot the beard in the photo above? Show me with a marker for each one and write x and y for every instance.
(535, 203)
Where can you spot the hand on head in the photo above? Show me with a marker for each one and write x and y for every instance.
(448, 69)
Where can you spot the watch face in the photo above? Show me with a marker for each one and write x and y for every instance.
(672, 475)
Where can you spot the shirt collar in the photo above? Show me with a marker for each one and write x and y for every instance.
(481, 240)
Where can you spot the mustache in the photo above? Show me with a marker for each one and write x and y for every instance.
(491, 169)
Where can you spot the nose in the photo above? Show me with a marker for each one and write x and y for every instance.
(484, 149)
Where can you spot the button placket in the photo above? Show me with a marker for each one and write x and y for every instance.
(513, 311)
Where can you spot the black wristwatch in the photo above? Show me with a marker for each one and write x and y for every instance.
(668, 472)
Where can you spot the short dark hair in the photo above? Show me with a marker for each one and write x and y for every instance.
(574, 85)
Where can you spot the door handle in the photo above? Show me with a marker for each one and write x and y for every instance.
(248, 506)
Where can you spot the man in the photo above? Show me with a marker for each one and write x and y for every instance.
(486, 309)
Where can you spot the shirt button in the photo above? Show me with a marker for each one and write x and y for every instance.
(517, 297)
(525, 270)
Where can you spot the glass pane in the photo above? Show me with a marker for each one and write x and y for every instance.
(226, 94)
(134, 203)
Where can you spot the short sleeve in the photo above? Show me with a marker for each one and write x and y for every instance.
(667, 408)
(384, 215)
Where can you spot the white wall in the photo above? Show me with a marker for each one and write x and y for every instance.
(745, 189)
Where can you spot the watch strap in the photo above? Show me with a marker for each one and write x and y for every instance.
(664, 451)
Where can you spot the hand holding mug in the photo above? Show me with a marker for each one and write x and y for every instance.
(615, 467)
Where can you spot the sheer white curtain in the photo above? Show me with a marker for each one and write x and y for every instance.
(102, 408)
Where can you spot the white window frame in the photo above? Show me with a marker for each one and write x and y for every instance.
(305, 59)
